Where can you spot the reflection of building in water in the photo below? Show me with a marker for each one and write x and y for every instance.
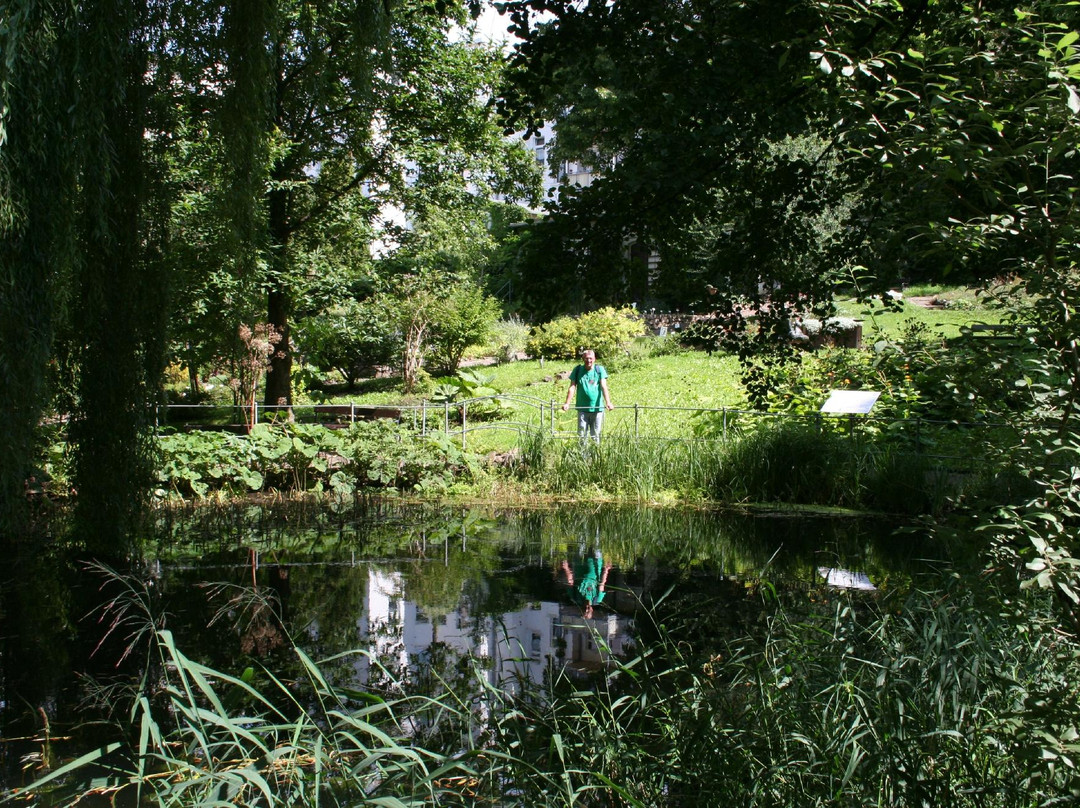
(520, 643)
(588, 644)
(845, 579)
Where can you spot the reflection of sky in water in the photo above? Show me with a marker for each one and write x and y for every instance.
(407, 583)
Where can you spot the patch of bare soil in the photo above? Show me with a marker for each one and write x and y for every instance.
(928, 302)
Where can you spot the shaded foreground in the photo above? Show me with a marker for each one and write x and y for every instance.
(951, 693)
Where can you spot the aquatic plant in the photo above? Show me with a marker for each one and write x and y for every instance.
(954, 696)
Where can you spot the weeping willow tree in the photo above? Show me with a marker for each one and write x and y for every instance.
(296, 109)
(37, 233)
(80, 281)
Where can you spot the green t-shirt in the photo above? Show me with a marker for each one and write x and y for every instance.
(587, 575)
(590, 397)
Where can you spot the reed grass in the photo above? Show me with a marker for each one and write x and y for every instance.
(770, 461)
(835, 700)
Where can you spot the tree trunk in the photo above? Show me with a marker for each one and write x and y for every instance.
(279, 374)
(279, 302)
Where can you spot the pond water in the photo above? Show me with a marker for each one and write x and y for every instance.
(238, 586)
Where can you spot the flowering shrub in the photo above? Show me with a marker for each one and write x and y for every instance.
(917, 375)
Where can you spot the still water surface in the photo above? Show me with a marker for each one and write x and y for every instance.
(238, 586)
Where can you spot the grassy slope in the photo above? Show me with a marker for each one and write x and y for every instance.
(963, 308)
(691, 380)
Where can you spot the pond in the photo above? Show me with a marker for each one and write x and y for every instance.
(242, 585)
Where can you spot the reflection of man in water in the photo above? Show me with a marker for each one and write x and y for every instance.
(587, 580)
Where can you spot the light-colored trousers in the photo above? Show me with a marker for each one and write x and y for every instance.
(589, 424)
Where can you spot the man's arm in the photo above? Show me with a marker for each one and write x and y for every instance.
(607, 394)
(570, 392)
(569, 574)
(603, 576)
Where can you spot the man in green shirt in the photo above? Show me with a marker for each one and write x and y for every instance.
(589, 389)
(587, 581)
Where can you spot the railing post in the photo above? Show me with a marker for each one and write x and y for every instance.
(423, 416)
(464, 407)
(636, 411)
(446, 417)
(352, 412)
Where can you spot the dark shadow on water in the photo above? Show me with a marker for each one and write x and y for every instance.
(238, 585)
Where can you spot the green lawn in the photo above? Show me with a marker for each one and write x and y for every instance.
(690, 380)
(662, 387)
(962, 308)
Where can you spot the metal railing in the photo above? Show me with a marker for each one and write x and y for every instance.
(637, 420)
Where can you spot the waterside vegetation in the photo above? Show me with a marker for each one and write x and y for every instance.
(202, 192)
(823, 698)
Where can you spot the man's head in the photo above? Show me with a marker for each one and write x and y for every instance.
(589, 358)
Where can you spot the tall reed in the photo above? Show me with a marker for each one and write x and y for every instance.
(621, 465)
(777, 461)
(833, 700)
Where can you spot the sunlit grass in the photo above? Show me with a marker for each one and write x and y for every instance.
(963, 308)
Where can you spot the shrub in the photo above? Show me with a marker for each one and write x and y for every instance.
(508, 338)
(605, 331)
(351, 339)
(458, 322)
(557, 339)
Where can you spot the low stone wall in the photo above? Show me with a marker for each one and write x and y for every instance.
(839, 332)
(673, 321)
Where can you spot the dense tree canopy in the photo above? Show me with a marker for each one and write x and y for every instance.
(787, 141)
(345, 98)
(170, 171)
(218, 152)
(768, 151)
(709, 144)
(970, 116)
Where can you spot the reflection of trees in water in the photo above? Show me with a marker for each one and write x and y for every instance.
(728, 541)
(490, 560)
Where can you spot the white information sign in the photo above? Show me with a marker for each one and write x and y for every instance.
(851, 401)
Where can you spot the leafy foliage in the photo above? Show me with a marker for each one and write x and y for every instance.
(464, 317)
(665, 101)
(351, 338)
(309, 457)
(473, 384)
(606, 331)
